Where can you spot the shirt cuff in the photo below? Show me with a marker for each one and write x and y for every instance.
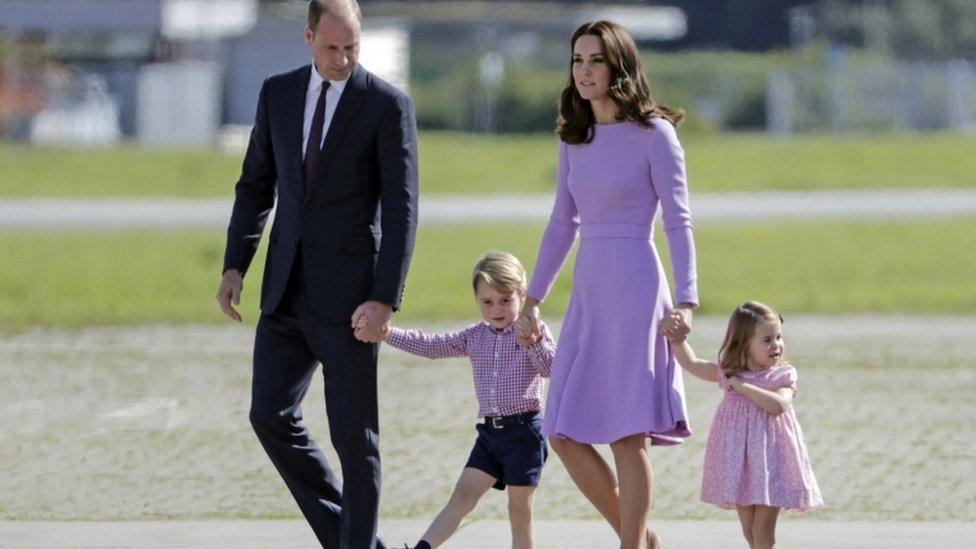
(395, 336)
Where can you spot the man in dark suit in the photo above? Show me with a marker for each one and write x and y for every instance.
(337, 145)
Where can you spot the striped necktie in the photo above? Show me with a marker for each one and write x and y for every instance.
(315, 136)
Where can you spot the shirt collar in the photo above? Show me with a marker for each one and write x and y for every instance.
(506, 330)
(315, 81)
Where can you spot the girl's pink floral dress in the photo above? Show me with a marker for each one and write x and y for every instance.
(754, 457)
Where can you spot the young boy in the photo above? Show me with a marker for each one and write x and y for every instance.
(508, 380)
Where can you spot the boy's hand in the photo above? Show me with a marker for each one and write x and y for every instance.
(386, 333)
(371, 321)
(362, 323)
(528, 327)
(531, 342)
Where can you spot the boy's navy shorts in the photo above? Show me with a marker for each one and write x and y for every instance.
(513, 454)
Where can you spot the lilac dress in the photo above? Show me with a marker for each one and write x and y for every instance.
(754, 457)
(614, 375)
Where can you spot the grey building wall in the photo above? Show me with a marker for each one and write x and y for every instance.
(80, 15)
(275, 45)
(122, 82)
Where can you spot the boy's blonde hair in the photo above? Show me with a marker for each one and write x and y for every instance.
(733, 355)
(500, 270)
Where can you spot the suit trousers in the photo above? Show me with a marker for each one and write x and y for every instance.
(288, 345)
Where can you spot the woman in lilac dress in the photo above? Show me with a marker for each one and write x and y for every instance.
(614, 380)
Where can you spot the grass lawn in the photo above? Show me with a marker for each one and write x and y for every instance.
(472, 164)
(463, 163)
(79, 279)
(124, 171)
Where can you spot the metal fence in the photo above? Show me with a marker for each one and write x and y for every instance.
(875, 96)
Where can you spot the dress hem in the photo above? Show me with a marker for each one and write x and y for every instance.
(670, 437)
(785, 507)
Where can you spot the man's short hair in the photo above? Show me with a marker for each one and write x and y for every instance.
(339, 8)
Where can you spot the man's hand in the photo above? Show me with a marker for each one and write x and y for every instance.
(229, 293)
(371, 321)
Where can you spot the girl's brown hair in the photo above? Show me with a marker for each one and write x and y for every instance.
(733, 355)
(628, 86)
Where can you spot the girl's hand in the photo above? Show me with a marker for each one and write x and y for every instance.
(676, 325)
(735, 383)
(673, 336)
(528, 327)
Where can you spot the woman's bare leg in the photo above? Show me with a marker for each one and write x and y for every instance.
(592, 476)
(636, 484)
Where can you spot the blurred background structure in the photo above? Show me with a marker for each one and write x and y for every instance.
(177, 72)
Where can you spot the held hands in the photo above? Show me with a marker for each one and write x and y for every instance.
(676, 325)
(731, 384)
(229, 293)
(528, 326)
(735, 383)
(371, 321)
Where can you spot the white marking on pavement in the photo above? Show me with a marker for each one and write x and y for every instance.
(27, 214)
(151, 413)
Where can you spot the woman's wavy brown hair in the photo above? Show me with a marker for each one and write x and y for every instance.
(733, 355)
(628, 86)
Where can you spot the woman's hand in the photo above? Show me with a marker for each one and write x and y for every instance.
(528, 327)
(676, 325)
(674, 329)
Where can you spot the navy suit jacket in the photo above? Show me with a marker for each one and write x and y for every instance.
(355, 222)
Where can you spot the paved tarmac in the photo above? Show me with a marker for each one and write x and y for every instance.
(22, 214)
(582, 534)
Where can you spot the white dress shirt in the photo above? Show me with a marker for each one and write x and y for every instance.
(332, 96)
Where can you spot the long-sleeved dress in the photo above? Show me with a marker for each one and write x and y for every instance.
(614, 375)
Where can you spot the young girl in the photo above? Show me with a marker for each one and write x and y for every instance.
(756, 460)
(510, 449)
